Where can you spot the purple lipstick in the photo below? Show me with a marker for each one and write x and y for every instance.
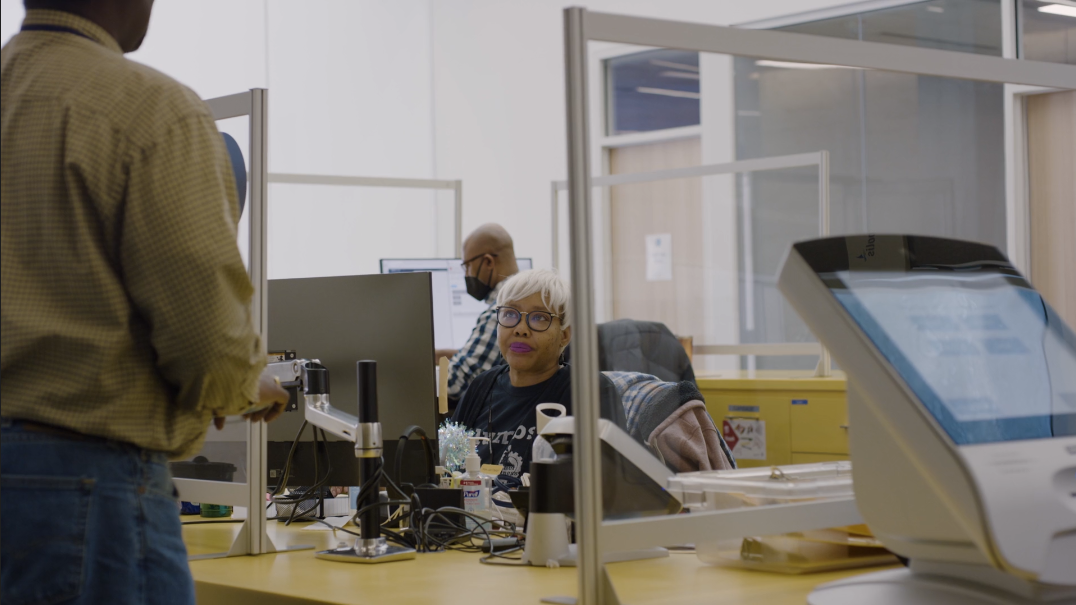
(519, 347)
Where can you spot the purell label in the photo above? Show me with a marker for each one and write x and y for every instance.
(472, 494)
(472, 500)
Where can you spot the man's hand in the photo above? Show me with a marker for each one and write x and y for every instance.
(272, 398)
(439, 353)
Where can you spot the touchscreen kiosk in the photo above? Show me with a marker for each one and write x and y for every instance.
(962, 416)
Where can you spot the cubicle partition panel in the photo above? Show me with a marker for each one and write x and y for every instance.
(817, 159)
(250, 493)
(455, 186)
(249, 487)
(243, 443)
(595, 535)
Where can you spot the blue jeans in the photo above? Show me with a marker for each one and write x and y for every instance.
(87, 522)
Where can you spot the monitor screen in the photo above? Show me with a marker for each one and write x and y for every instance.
(979, 347)
(454, 311)
(341, 320)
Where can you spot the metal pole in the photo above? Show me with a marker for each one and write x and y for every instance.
(825, 362)
(1016, 208)
(1010, 28)
(258, 542)
(586, 447)
(459, 217)
(556, 227)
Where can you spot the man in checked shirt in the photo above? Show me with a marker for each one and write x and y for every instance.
(126, 325)
(489, 258)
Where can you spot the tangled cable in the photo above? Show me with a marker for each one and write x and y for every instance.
(429, 530)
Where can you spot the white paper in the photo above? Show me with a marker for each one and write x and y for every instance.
(659, 257)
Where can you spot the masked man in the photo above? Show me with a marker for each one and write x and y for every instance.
(488, 259)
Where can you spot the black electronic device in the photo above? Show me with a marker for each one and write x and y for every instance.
(344, 465)
(438, 497)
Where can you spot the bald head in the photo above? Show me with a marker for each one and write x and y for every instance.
(493, 245)
(488, 238)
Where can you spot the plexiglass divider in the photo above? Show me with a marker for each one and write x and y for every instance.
(250, 437)
(818, 159)
(596, 536)
(252, 538)
(455, 186)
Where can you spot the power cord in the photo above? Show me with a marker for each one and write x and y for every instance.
(430, 530)
(316, 490)
(431, 461)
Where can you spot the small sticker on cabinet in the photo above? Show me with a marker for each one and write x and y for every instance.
(799, 402)
(746, 437)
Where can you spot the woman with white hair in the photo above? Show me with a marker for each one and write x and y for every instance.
(533, 329)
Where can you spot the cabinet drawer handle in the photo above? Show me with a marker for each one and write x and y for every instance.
(842, 426)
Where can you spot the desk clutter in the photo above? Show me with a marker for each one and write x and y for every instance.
(462, 505)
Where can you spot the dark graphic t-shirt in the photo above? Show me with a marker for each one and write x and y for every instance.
(506, 414)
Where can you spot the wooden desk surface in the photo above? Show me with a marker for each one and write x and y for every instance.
(458, 578)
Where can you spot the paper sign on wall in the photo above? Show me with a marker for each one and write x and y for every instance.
(746, 437)
(659, 257)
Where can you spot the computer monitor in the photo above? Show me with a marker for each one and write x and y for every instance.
(962, 414)
(339, 321)
(454, 311)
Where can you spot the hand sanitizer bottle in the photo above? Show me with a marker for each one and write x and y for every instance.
(475, 485)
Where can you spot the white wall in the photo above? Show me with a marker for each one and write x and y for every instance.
(214, 47)
(349, 94)
(500, 126)
(11, 14)
(499, 90)
(469, 89)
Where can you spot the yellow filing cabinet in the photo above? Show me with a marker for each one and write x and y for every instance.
(779, 417)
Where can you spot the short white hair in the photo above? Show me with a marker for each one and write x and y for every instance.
(556, 295)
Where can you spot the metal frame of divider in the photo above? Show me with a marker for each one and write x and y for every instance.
(596, 536)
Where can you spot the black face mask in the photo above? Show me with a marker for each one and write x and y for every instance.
(476, 288)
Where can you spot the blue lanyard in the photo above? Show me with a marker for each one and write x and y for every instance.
(54, 28)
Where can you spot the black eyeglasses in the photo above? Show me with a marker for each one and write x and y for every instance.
(463, 265)
(539, 321)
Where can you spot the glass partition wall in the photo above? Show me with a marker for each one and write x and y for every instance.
(909, 153)
(916, 140)
(1048, 31)
(894, 140)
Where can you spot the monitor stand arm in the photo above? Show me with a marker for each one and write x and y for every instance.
(364, 431)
